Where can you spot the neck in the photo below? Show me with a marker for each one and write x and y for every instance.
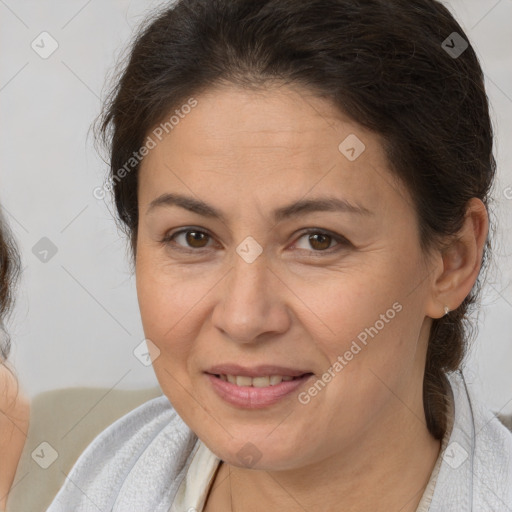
(393, 477)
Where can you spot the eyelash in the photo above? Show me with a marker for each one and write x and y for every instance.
(168, 241)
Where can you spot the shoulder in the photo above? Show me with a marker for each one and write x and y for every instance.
(131, 432)
(476, 470)
(147, 447)
(140, 424)
(493, 460)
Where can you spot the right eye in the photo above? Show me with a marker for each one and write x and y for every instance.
(193, 240)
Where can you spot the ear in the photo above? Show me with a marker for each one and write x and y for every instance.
(459, 263)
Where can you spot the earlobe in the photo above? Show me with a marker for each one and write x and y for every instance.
(461, 262)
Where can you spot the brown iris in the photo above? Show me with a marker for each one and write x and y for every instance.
(196, 237)
(324, 241)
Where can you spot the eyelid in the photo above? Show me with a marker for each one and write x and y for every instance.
(340, 239)
(169, 237)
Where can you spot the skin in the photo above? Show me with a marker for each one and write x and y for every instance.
(362, 442)
(14, 421)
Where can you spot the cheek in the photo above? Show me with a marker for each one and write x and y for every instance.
(166, 319)
(339, 310)
(364, 323)
(170, 305)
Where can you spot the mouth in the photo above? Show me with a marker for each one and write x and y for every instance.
(259, 392)
(258, 382)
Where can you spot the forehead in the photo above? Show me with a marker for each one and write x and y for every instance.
(274, 119)
(267, 143)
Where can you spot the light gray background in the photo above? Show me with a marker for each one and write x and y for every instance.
(77, 321)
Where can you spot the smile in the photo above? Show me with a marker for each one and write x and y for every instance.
(255, 393)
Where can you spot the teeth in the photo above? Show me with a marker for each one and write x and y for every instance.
(257, 382)
(243, 381)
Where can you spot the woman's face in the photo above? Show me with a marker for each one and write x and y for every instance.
(250, 286)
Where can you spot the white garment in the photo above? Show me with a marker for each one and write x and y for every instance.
(140, 462)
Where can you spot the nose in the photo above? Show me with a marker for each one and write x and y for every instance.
(251, 304)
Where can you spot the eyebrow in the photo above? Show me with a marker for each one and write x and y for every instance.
(298, 208)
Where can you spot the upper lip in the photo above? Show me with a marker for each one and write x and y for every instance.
(256, 371)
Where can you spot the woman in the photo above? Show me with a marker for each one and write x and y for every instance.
(305, 186)
(14, 406)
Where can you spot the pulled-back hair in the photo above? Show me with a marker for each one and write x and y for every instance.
(381, 62)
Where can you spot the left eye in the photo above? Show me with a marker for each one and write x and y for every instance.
(321, 241)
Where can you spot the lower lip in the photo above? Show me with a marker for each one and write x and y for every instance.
(249, 397)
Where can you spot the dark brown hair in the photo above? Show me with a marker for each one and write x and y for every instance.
(381, 62)
(9, 273)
